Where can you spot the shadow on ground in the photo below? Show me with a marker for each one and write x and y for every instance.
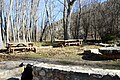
(94, 57)
(13, 79)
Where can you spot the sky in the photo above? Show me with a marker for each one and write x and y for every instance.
(59, 7)
(57, 11)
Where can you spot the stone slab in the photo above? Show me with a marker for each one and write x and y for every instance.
(110, 50)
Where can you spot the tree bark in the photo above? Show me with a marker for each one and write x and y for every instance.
(1, 41)
(68, 4)
(8, 21)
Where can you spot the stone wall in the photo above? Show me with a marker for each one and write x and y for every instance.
(55, 73)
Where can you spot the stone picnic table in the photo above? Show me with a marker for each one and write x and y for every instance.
(69, 42)
(73, 42)
(22, 46)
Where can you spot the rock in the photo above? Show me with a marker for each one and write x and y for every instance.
(21, 65)
(35, 78)
(104, 45)
(42, 72)
(107, 77)
(27, 74)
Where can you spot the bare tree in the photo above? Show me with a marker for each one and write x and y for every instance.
(34, 18)
(78, 20)
(43, 26)
(1, 42)
(8, 20)
(17, 19)
(68, 4)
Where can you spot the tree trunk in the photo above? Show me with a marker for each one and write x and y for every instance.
(1, 41)
(68, 4)
(78, 24)
(8, 21)
(43, 31)
(17, 20)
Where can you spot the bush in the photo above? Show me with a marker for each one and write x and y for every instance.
(108, 37)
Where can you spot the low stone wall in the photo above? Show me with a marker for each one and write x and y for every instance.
(58, 72)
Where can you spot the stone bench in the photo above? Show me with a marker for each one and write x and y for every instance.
(70, 42)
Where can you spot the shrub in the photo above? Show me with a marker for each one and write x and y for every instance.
(108, 37)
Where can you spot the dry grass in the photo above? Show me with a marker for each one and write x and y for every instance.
(6, 57)
(70, 52)
(66, 52)
(66, 55)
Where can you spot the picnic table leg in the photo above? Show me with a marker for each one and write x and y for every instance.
(68, 44)
(13, 51)
(35, 49)
(9, 50)
(62, 45)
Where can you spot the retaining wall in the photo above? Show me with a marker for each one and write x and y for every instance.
(58, 72)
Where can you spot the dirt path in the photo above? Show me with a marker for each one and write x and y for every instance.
(83, 63)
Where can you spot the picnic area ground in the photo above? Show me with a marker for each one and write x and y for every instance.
(71, 55)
